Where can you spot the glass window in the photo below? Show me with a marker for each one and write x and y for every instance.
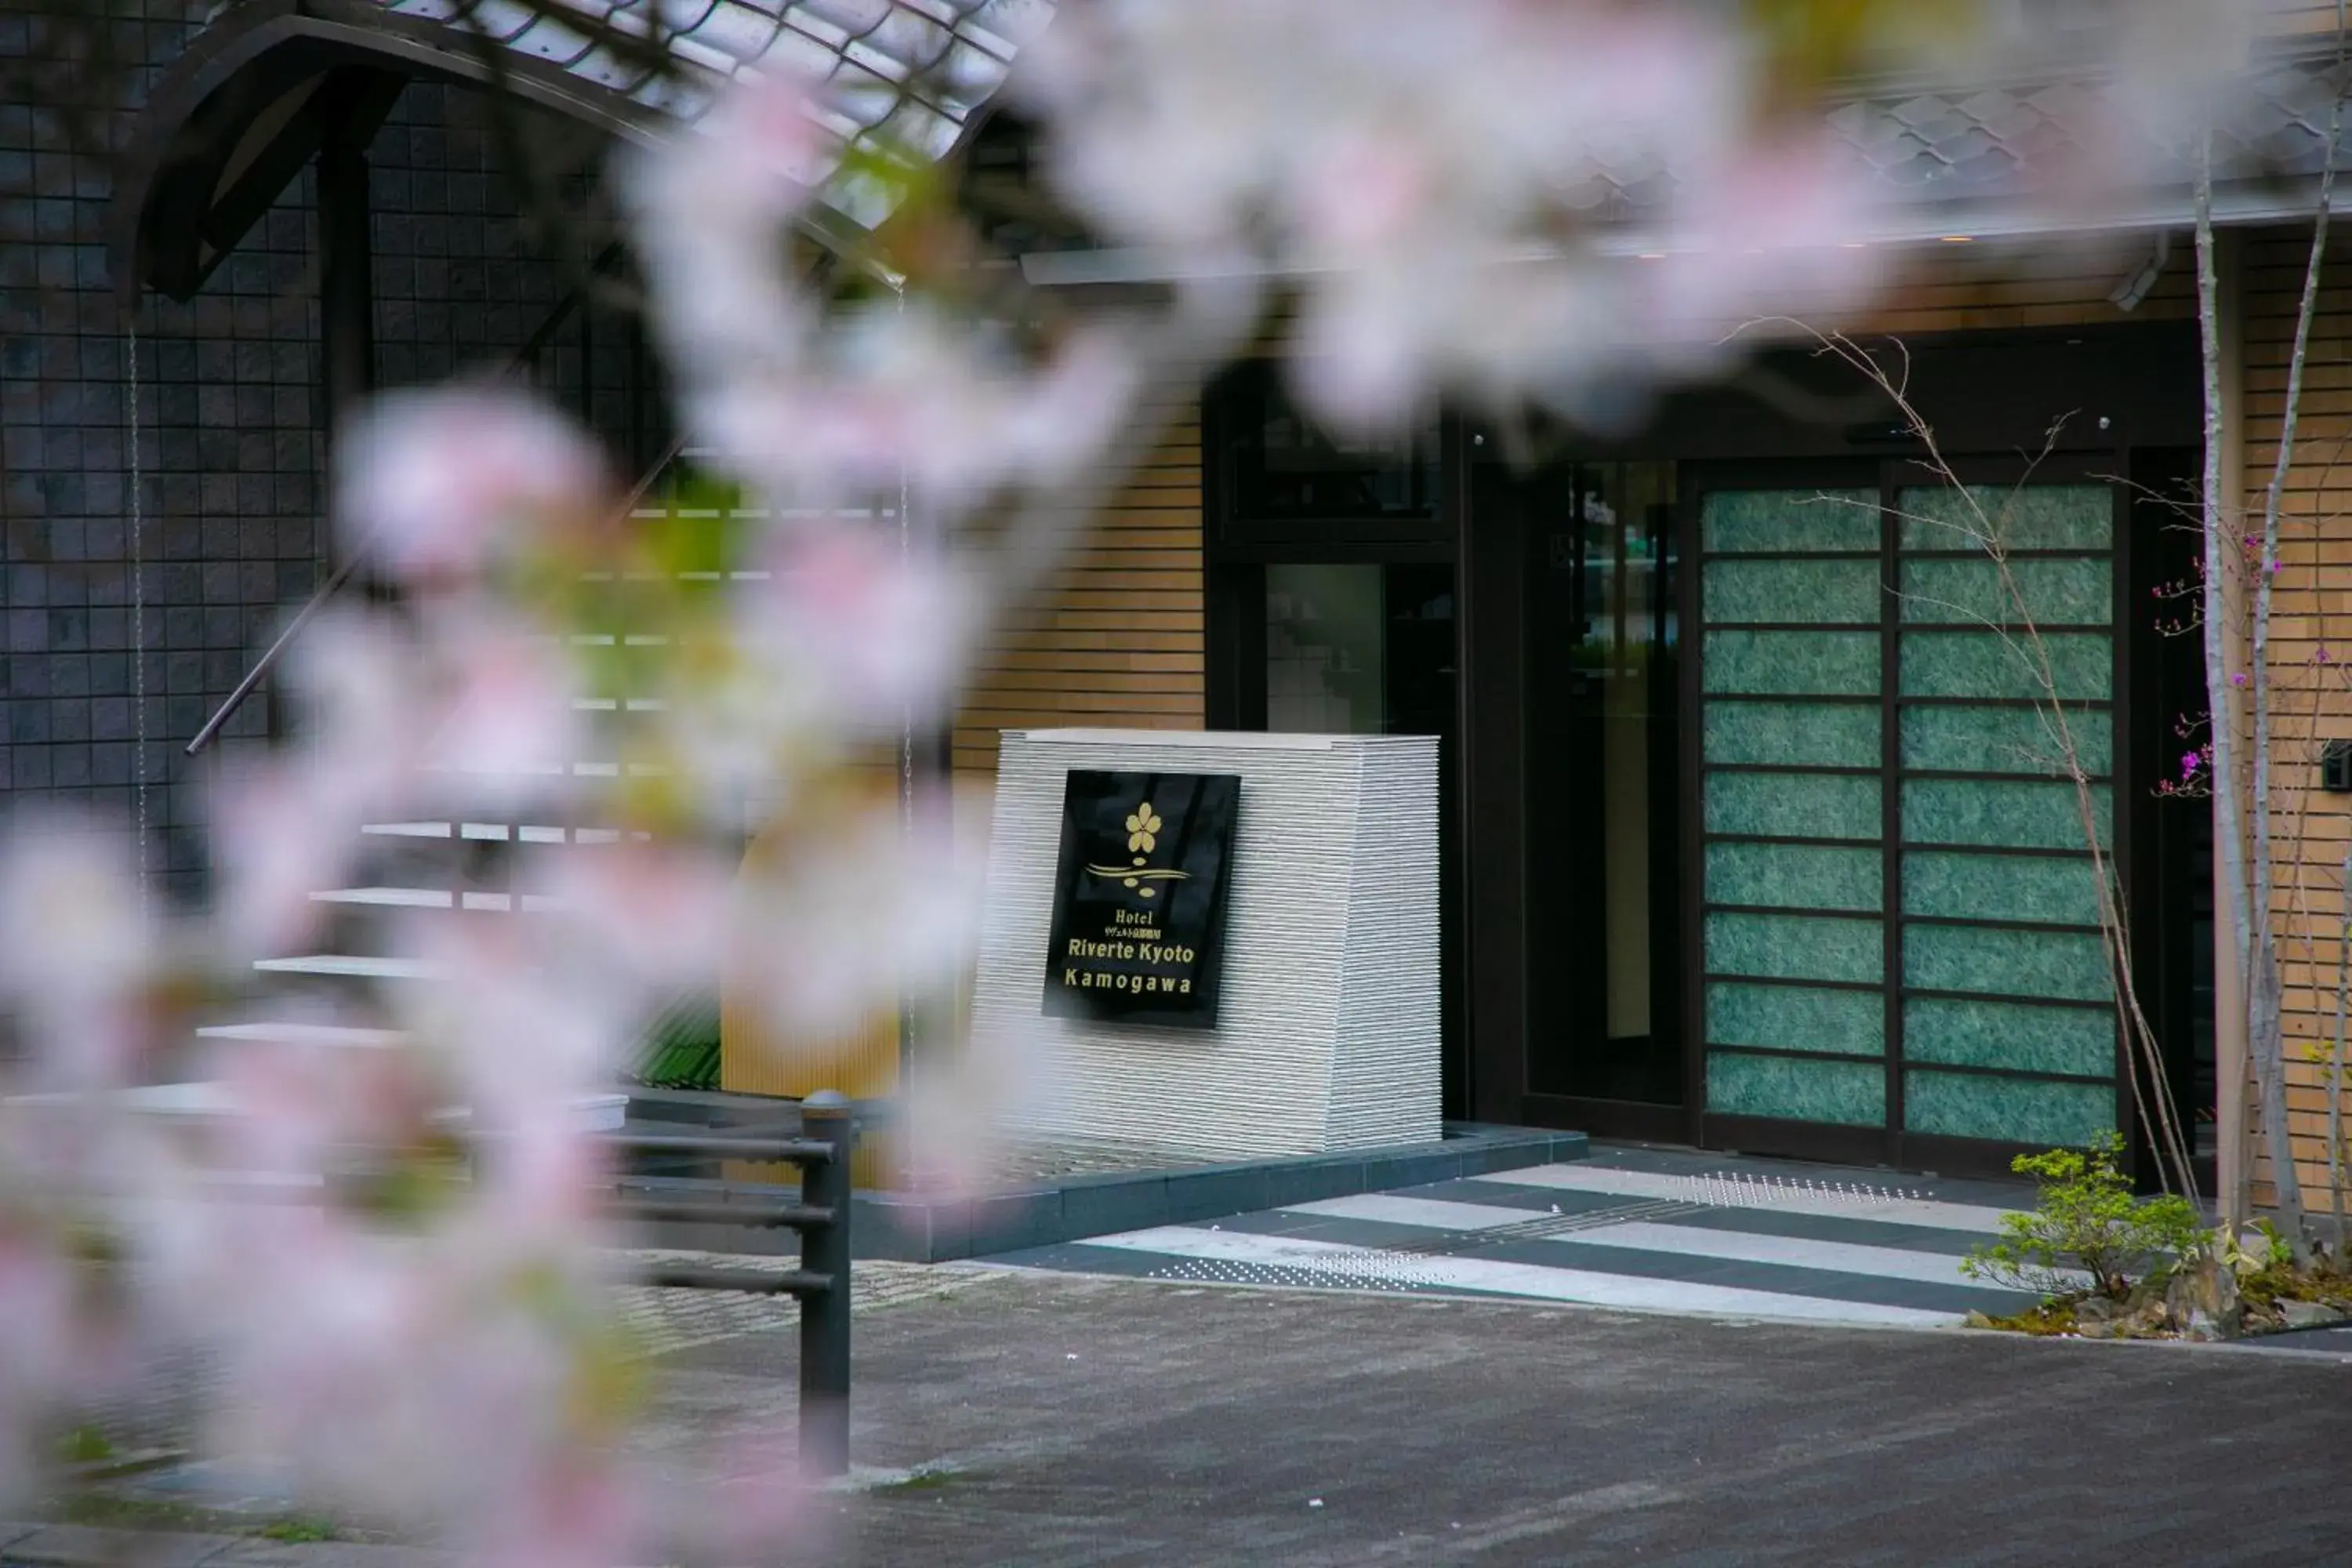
(1323, 652)
(1285, 467)
(1359, 649)
(1602, 784)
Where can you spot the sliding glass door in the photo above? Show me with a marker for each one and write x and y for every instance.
(1899, 940)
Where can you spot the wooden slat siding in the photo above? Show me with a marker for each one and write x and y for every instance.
(1992, 286)
(2312, 610)
(1114, 638)
(2303, 17)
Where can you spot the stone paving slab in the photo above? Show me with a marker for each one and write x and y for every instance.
(250, 1553)
(90, 1546)
(77, 1544)
(666, 1318)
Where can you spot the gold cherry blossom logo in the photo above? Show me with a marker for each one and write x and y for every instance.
(1143, 825)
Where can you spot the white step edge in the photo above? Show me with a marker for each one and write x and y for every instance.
(441, 898)
(262, 1031)
(352, 965)
(467, 769)
(596, 1112)
(499, 832)
(390, 898)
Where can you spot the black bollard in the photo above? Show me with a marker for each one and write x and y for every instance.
(826, 1118)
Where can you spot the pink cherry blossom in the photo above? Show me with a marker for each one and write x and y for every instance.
(432, 483)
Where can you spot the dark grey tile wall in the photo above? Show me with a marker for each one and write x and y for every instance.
(131, 612)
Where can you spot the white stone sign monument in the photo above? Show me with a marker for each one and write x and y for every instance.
(1326, 1020)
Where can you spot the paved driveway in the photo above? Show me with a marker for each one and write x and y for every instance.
(1095, 1421)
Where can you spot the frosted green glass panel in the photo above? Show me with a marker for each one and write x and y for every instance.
(2039, 517)
(1795, 877)
(1852, 1094)
(1986, 664)
(2000, 887)
(1792, 664)
(2079, 1040)
(2068, 965)
(1748, 521)
(2012, 1110)
(1794, 591)
(1799, 734)
(1793, 805)
(1971, 592)
(1796, 1018)
(1795, 947)
(2002, 740)
(2009, 812)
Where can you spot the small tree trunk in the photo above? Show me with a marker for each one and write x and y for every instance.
(2229, 836)
(2335, 1058)
(2265, 1034)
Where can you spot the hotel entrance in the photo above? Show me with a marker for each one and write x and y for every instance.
(1751, 835)
(1603, 656)
(1332, 607)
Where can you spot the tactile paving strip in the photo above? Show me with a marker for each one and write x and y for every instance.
(1397, 1268)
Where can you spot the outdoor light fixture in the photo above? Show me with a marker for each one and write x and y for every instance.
(2335, 767)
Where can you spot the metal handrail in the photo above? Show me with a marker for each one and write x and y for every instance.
(262, 666)
(318, 601)
(524, 357)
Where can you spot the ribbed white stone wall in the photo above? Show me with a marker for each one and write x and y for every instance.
(1328, 1026)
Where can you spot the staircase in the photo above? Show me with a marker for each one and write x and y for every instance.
(410, 865)
(469, 865)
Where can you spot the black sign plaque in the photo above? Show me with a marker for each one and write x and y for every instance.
(1139, 897)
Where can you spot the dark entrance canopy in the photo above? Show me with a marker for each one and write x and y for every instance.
(267, 85)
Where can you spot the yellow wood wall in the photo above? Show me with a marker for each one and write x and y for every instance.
(1994, 285)
(2313, 700)
(1114, 638)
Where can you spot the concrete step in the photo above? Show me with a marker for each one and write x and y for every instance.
(441, 898)
(390, 898)
(620, 704)
(351, 966)
(499, 832)
(264, 1032)
(596, 1112)
(550, 771)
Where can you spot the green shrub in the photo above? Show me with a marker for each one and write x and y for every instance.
(2085, 1221)
(680, 1048)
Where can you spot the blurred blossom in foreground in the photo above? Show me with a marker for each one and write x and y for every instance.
(819, 407)
(379, 1231)
(1440, 182)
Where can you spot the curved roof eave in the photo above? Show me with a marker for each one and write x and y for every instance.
(233, 111)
